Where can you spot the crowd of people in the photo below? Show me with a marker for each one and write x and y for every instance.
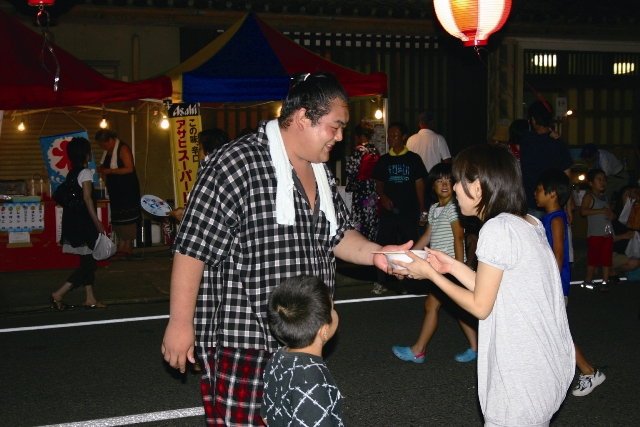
(270, 191)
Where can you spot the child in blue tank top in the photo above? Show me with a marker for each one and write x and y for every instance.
(552, 192)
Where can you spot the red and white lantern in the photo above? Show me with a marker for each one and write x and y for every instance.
(41, 2)
(472, 21)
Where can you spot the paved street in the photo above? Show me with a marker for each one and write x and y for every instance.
(96, 372)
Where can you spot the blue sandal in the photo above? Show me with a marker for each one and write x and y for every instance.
(467, 356)
(405, 353)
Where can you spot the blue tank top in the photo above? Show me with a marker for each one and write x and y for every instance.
(565, 274)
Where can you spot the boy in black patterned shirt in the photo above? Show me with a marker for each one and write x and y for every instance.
(298, 388)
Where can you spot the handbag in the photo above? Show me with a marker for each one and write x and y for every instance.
(105, 248)
(634, 217)
(70, 195)
(633, 248)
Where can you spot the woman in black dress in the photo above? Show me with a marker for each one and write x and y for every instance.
(80, 229)
(123, 188)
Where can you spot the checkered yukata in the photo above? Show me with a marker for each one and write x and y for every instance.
(230, 225)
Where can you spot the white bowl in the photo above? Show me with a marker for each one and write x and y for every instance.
(401, 256)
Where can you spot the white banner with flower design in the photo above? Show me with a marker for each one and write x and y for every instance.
(54, 149)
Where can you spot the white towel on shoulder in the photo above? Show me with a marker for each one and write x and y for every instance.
(114, 157)
(285, 209)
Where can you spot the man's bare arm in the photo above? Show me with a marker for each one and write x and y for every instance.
(179, 337)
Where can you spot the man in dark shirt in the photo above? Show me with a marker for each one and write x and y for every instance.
(399, 183)
(539, 151)
(264, 209)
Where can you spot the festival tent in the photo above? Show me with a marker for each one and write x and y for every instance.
(29, 71)
(251, 61)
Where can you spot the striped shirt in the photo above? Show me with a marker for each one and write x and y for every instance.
(230, 224)
(441, 231)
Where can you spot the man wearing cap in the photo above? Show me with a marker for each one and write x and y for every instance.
(431, 147)
(617, 176)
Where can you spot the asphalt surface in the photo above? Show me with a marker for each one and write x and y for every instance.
(100, 371)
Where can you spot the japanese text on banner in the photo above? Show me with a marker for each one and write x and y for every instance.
(185, 126)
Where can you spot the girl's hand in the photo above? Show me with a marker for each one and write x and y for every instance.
(100, 227)
(418, 269)
(441, 262)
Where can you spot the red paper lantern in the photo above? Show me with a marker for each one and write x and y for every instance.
(472, 21)
(41, 2)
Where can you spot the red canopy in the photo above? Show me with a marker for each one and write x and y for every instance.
(25, 83)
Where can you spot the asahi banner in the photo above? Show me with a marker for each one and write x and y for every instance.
(185, 126)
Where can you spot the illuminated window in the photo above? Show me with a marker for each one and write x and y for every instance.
(537, 62)
(624, 68)
(549, 60)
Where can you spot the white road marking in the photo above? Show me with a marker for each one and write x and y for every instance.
(136, 419)
(166, 316)
(97, 322)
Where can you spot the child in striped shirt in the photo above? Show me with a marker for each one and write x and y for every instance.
(444, 233)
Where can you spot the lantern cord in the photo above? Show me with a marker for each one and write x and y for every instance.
(44, 123)
(46, 45)
(504, 89)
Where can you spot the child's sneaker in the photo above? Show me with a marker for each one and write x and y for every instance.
(604, 287)
(586, 383)
(378, 289)
(588, 285)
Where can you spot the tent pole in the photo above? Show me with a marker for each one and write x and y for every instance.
(133, 134)
(385, 119)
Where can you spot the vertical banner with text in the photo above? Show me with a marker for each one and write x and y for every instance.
(185, 126)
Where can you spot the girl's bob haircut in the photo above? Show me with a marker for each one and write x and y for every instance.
(500, 178)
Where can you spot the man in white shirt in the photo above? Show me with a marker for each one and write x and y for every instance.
(617, 176)
(430, 146)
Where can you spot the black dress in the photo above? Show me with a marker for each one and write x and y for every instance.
(78, 229)
(124, 193)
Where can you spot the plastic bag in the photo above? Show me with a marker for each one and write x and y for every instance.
(624, 215)
(105, 248)
(634, 217)
(633, 248)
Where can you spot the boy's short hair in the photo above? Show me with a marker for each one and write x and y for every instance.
(558, 181)
(297, 309)
(591, 175)
(439, 171)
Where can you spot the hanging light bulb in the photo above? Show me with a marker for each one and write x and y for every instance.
(378, 114)
(103, 124)
(164, 124)
(21, 127)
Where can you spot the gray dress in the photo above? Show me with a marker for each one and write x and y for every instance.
(526, 357)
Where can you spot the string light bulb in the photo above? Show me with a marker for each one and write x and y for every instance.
(103, 124)
(21, 127)
(378, 114)
(164, 124)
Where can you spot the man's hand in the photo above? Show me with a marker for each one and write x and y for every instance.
(178, 345)
(380, 260)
